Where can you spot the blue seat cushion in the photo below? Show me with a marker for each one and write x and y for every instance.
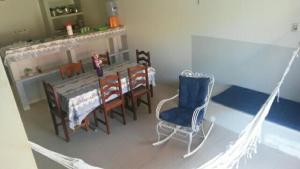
(180, 116)
(192, 91)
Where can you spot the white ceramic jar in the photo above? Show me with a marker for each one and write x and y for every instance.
(69, 29)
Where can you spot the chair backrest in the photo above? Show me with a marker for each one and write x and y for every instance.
(52, 98)
(110, 85)
(194, 91)
(138, 76)
(71, 69)
(104, 57)
(143, 58)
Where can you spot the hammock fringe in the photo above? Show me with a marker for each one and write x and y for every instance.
(68, 162)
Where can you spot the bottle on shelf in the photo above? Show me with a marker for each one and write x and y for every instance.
(112, 13)
(69, 28)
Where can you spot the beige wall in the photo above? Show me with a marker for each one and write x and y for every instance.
(95, 12)
(161, 27)
(15, 151)
(166, 29)
(20, 19)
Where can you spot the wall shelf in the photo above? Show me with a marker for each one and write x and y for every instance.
(56, 23)
(67, 15)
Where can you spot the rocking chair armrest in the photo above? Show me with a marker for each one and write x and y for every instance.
(162, 102)
(196, 114)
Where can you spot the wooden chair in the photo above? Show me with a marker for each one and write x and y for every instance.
(71, 69)
(143, 58)
(105, 58)
(110, 87)
(139, 86)
(55, 110)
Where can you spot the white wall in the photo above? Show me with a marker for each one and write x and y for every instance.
(17, 15)
(251, 65)
(258, 21)
(166, 28)
(15, 151)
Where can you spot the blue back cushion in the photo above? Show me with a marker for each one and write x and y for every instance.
(192, 91)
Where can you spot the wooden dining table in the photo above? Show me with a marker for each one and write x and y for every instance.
(80, 95)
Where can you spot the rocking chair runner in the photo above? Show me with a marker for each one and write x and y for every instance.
(186, 120)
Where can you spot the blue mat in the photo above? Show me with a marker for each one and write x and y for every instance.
(286, 112)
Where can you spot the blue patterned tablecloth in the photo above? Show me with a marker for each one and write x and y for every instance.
(80, 94)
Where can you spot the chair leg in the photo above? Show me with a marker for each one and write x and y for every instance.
(151, 90)
(138, 101)
(157, 131)
(55, 124)
(190, 143)
(85, 124)
(66, 132)
(201, 144)
(127, 101)
(106, 122)
(133, 101)
(149, 102)
(111, 114)
(123, 114)
(95, 118)
(159, 142)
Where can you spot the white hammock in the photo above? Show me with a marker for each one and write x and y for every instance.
(246, 144)
(68, 162)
